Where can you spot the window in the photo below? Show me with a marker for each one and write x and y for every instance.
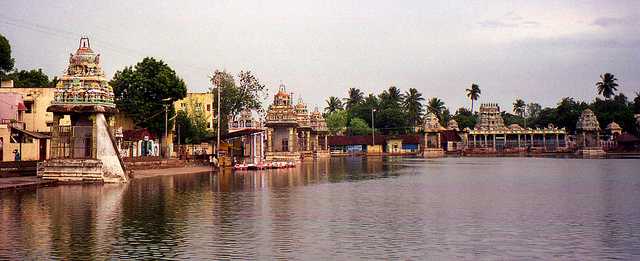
(29, 106)
(208, 107)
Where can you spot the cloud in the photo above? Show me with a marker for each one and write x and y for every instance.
(615, 21)
(508, 20)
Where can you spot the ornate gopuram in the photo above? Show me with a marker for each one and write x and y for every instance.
(588, 135)
(319, 132)
(432, 137)
(85, 149)
(282, 129)
(490, 135)
(304, 129)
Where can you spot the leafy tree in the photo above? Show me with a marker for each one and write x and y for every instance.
(337, 121)
(617, 109)
(31, 78)
(511, 118)
(6, 62)
(333, 104)
(391, 98)
(193, 125)
(391, 121)
(607, 85)
(436, 106)
(636, 103)
(248, 93)
(413, 106)
(473, 93)
(465, 118)
(445, 117)
(533, 110)
(355, 97)
(544, 117)
(358, 126)
(568, 112)
(519, 107)
(140, 91)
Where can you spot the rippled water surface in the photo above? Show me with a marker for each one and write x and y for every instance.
(343, 208)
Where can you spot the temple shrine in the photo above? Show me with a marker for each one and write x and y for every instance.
(292, 132)
(490, 135)
(432, 136)
(588, 135)
(82, 145)
(282, 127)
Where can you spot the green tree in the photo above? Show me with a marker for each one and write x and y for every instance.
(568, 112)
(445, 117)
(436, 106)
(391, 121)
(248, 93)
(607, 85)
(617, 109)
(519, 107)
(337, 121)
(533, 110)
(363, 110)
(6, 62)
(391, 98)
(465, 118)
(358, 126)
(511, 118)
(473, 93)
(413, 106)
(636, 103)
(355, 97)
(333, 104)
(193, 127)
(140, 90)
(31, 78)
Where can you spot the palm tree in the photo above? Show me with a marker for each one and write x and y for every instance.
(436, 106)
(391, 97)
(607, 85)
(518, 107)
(473, 93)
(333, 104)
(413, 105)
(355, 97)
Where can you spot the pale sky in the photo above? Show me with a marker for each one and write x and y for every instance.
(535, 50)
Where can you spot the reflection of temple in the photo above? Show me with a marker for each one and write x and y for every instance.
(292, 132)
(491, 135)
(84, 150)
(588, 134)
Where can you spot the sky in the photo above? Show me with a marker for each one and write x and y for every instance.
(539, 51)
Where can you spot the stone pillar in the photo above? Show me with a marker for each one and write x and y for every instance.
(439, 142)
(519, 140)
(557, 141)
(269, 140)
(317, 143)
(292, 141)
(326, 143)
(485, 141)
(474, 140)
(308, 145)
(544, 141)
(494, 141)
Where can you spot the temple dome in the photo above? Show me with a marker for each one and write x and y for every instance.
(452, 124)
(515, 126)
(588, 121)
(432, 123)
(613, 126)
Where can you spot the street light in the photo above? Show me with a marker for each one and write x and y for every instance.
(166, 125)
(373, 127)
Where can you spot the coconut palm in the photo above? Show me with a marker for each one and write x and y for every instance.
(473, 93)
(518, 107)
(413, 105)
(607, 85)
(355, 97)
(391, 98)
(333, 104)
(435, 106)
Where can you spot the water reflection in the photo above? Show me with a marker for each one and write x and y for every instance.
(386, 208)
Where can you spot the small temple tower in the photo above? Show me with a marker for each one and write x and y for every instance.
(432, 138)
(319, 132)
(588, 135)
(304, 129)
(82, 145)
(282, 129)
(614, 130)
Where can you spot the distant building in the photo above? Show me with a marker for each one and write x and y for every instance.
(24, 121)
(490, 135)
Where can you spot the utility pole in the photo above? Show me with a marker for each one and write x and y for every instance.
(373, 128)
(166, 127)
